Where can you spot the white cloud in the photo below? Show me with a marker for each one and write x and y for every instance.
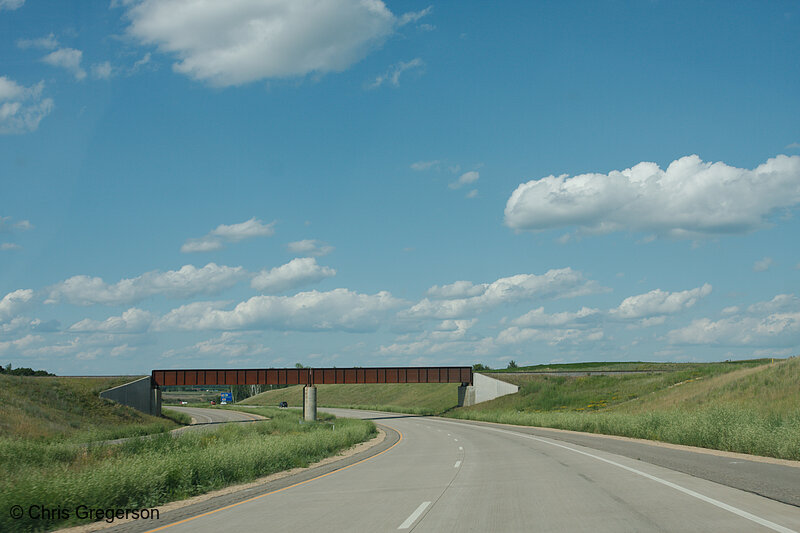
(762, 264)
(67, 58)
(244, 230)
(732, 310)
(395, 71)
(772, 323)
(781, 302)
(11, 5)
(467, 177)
(310, 247)
(473, 193)
(14, 302)
(424, 165)
(48, 42)
(551, 336)
(241, 41)
(792, 146)
(203, 244)
(777, 329)
(131, 321)
(229, 344)
(555, 283)
(298, 272)
(339, 309)
(689, 199)
(229, 233)
(22, 108)
(102, 71)
(186, 282)
(538, 318)
(658, 302)
(6, 246)
(414, 16)
(21, 344)
(458, 289)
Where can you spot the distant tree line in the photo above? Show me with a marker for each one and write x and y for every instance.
(23, 371)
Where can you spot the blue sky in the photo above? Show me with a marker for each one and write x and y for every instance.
(258, 183)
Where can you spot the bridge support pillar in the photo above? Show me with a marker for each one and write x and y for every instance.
(310, 403)
(466, 395)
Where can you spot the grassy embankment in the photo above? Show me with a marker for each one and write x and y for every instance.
(69, 409)
(750, 407)
(744, 406)
(418, 398)
(144, 473)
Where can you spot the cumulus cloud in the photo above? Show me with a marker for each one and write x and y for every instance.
(772, 323)
(551, 336)
(186, 282)
(14, 302)
(690, 199)
(464, 179)
(22, 108)
(67, 58)
(48, 42)
(298, 272)
(310, 247)
(424, 165)
(464, 299)
(762, 265)
(11, 5)
(241, 41)
(131, 321)
(216, 238)
(538, 318)
(658, 302)
(395, 71)
(102, 71)
(339, 309)
(229, 344)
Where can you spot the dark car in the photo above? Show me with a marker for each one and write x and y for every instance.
(283, 404)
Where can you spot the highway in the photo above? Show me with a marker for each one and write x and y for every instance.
(202, 416)
(446, 475)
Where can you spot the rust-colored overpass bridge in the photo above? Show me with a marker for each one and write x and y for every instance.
(310, 377)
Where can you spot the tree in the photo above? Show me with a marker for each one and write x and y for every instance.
(512, 364)
(480, 367)
(298, 365)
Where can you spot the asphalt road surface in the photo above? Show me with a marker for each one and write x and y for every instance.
(214, 416)
(446, 475)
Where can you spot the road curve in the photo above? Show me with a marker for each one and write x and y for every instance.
(202, 415)
(446, 475)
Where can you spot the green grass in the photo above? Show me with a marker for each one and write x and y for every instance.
(149, 472)
(620, 366)
(69, 408)
(177, 417)
(414, 398)
(750, 407)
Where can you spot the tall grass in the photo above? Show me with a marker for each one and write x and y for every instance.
(735, 429)
(149, 472)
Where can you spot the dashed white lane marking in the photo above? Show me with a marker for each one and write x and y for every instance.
(458, 463)
(744, 514)
(455, 440)
(411, 519)
(461, 448)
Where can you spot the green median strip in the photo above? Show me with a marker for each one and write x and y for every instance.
(145, 473)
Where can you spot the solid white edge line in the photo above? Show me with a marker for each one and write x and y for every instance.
(411, 519)
(744, 514)
(458, 463)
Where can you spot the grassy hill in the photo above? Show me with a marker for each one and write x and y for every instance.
(68, 407)
(416, 398)
(745, 406)
(749, 407)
